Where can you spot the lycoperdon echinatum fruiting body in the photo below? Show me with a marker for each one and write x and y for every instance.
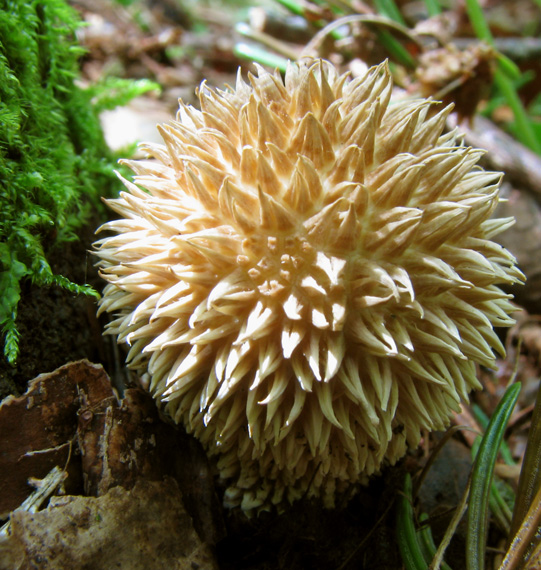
(305, 273)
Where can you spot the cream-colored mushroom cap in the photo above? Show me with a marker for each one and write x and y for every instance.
(305, 271)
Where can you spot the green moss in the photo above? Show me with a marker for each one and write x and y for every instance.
(54, 163)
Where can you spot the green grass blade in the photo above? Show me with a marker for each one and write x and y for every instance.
(408, 539)
(499, 508)
(292, 6)
(259, 55)
(509, 67)
(427, 542)
(478, 22)
(433, 8)
(397, 51)
(390, 9)
(482, 479)
(524, 132)
(483, 421)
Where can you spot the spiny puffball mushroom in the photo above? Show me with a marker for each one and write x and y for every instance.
(305, 272)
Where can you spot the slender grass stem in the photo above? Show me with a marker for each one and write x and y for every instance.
(482, 479)
(433, 7)
(390, 9)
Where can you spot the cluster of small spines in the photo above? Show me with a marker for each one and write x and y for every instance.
(298, 281)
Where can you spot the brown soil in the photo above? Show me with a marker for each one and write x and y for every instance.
(358, 534)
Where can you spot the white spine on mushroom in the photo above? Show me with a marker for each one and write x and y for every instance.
(305, 271)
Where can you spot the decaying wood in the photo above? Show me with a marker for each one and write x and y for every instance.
(71, 418)
(37, 430)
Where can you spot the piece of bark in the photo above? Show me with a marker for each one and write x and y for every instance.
(71, 418)
(143, 528)
(118, 442)
(37, 429)
(124, 441)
